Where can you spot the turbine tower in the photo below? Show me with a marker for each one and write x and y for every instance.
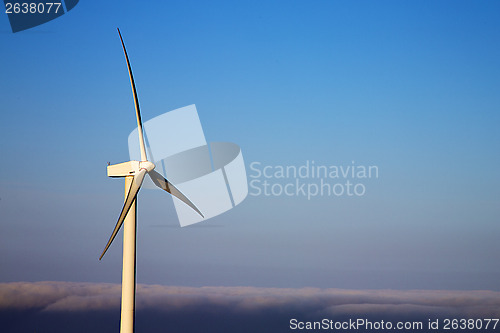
(134, 173)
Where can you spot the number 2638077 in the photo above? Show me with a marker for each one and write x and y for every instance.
(470, 324)
(32, 7)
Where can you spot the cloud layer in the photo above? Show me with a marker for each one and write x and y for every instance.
(271, 308)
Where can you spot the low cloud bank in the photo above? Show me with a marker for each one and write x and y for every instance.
(226, 306)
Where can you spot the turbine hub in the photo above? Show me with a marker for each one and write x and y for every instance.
(148, 166)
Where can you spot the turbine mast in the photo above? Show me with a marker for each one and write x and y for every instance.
(127, 317)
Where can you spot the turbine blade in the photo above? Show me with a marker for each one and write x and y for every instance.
(164, 184)
(135, 185)
(136, 102)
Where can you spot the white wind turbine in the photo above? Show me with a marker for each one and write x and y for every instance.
(134, 173)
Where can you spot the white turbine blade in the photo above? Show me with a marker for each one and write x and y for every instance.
(136, 101)
(164, 184)
(135, 185)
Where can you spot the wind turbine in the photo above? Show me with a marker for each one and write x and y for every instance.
(134, 173)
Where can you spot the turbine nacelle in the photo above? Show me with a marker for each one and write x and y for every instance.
(129, 168)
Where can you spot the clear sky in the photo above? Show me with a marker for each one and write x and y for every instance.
(411, 87)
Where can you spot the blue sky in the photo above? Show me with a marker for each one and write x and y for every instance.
(411, 87)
